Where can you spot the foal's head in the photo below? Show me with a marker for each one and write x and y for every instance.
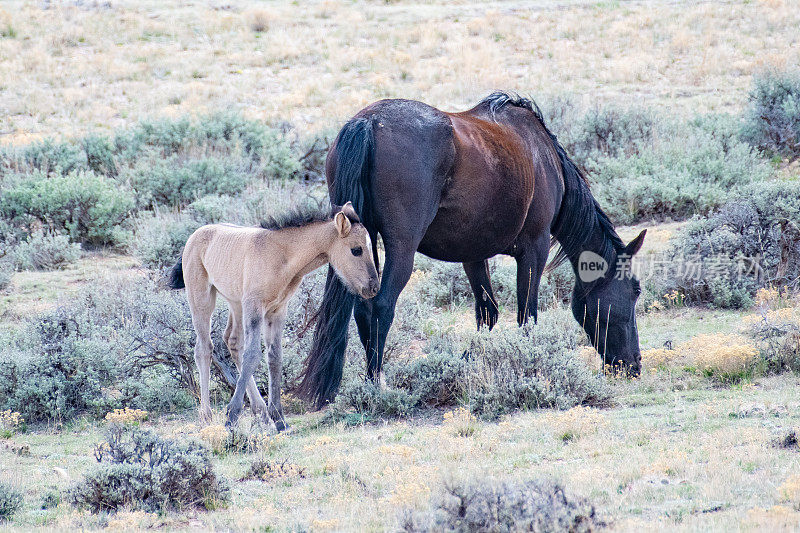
(351, 253)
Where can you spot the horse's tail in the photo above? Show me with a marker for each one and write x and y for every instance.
(176, 276)
(354, 152)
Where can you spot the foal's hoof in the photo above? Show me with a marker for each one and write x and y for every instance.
(281, 426)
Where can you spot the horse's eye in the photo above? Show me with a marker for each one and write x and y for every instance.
(357, 251)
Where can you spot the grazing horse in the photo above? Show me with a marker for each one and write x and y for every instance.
(257, 270)
(464, 187)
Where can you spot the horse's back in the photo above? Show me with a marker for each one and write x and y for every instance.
(219, 253)
(486, 200)
(413, 156)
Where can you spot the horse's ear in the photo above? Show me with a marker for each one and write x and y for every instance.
(343, 225)
(636, 244)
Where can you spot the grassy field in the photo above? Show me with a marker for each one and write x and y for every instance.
(675, 450)
(76, 66)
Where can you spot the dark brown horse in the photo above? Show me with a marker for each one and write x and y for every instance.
(464, 187)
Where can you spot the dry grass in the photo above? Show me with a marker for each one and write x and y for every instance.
(684, 460)
(77, 66)
(675, 453)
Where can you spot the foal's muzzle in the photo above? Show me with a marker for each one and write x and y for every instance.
(371, 290)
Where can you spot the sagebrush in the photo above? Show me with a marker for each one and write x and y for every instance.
(539, 506)
(140, 470)
(492, 373)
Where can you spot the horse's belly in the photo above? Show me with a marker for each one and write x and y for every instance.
(461, 235)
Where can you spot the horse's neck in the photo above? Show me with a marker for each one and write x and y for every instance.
(596, 242)
(309, 247)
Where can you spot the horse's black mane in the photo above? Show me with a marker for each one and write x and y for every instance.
(580, 213)
(297, 218)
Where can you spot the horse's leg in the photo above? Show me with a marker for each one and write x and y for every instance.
(362, 310)
(531, 261)
(251, 357)
(233, 339)
(201, 304)
(362, 313)
(273, 332)
(486, 311)
(396, 273)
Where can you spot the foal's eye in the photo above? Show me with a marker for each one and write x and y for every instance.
(357, 251)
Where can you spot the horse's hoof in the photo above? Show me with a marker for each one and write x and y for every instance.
(231, 420)
(281, 426)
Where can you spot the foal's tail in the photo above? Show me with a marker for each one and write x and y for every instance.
(176, 276)
(354, 151)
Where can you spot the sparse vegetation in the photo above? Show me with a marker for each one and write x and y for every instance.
(493, 373)
(121, 139)
(10, 502)
(508, 506)
(137, 469)
(45, 251)
(753, 241)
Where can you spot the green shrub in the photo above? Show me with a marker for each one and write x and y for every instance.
(158, 239)
(166, 137)
(531, 367)
(57, 373)
(688, 169)
(267, 147)
(6, 273)
(643, 165)
(49, 156)
(773, 116)
(445, 284)
(10, 501)
(177, 183)
(45, 251)
(503, 506)
(501, 371)
(752, 241)
(138, 469)
(124, 343)
(99, 152)
(210, 209)
(264, 151)
(87, 207)
(609, 131)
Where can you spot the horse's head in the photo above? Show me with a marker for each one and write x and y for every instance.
(351, 253)
(607, 312)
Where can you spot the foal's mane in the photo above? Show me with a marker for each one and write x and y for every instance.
(300, 217)
(580, 214)
(297, 218)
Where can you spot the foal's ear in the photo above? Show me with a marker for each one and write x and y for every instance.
(636, 244)
(343, 225)
(348, 210)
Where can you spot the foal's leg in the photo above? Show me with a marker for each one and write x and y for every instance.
(201, 304)
(273, 332)
(251, 357)
(531, 261)
(233, 339)
(486, 311)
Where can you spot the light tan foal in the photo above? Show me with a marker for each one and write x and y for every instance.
(256, 271)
